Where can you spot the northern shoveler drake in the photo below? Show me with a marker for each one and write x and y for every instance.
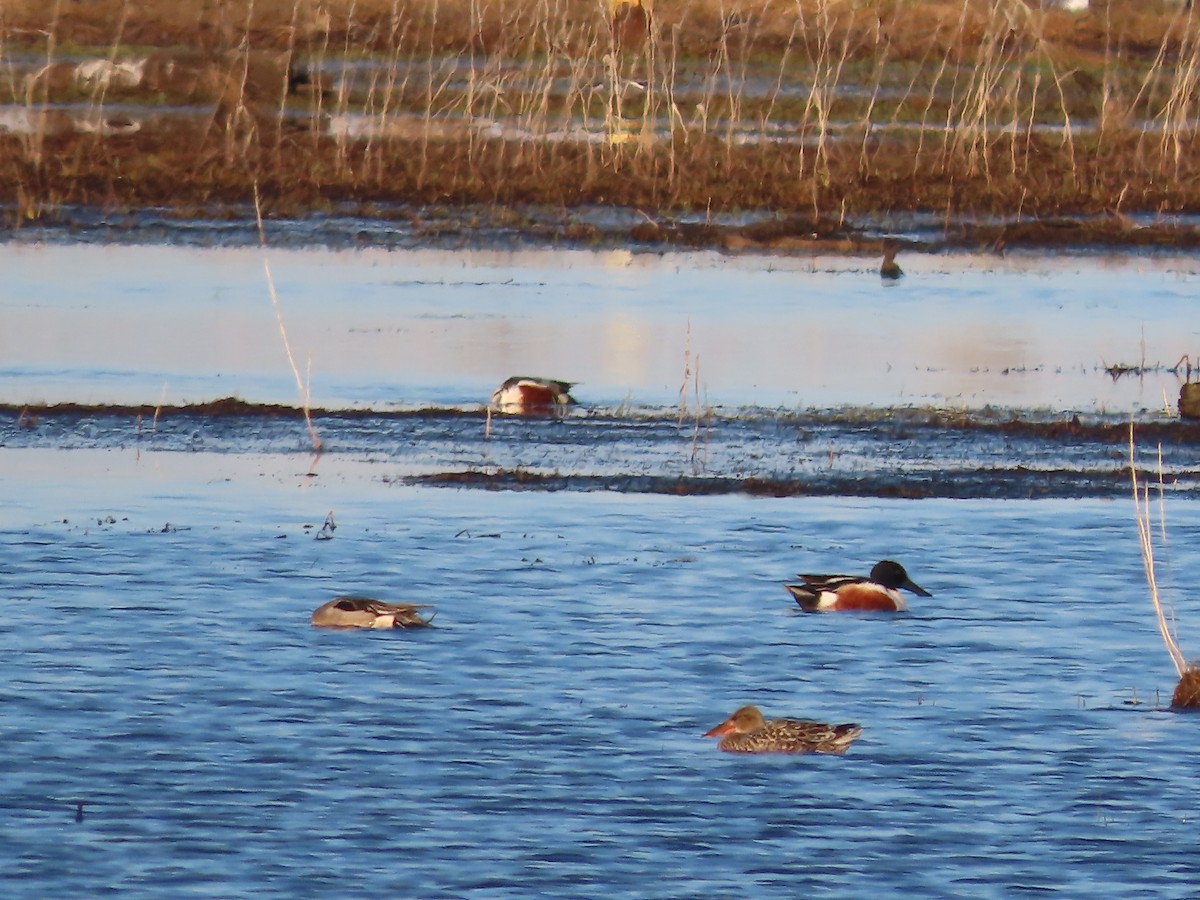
(746, 731)
(878, 593)
(363, 612)
(523, 395)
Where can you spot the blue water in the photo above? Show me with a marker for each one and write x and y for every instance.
(172, 725)
(544, 738)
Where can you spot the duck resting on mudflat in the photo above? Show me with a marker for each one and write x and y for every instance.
(880, 592)
(526, 395)
(746, 731)
(363, 612)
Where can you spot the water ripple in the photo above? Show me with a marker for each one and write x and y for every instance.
(544, 736)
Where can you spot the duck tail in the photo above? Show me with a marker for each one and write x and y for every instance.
(804, 595)
(411, 619)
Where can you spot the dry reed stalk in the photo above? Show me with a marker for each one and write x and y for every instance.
(290, 57)
(1112, 117)
(369, 105)
(316, 68)
(687, 375)
(733, 55)
(944, 66)
(699, 464)
(667, 95)
(1068, 132)
(881, 57)
(1144, 520)
(429, 96)
(35, 142)
(471, 98)
(1173, 115)
(390, 94)
(977, 108)
(100, 88)
(1179, 112)
(629, 66)
(232, 111)
(781, 72)
(827, 75)
(1041, 51)
(691, 382)
(162, 399)
(301, 387)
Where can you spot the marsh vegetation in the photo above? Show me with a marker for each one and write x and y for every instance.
(823, 109)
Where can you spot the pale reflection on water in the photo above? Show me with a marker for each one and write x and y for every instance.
(140, 324)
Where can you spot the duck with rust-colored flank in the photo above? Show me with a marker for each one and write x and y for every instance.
(878, 593)
(523, 395)
(364, 612)
(746, 731)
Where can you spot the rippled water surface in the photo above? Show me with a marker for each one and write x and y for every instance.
(545, 736)
(173, 726)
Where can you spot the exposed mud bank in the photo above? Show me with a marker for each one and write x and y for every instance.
(488, 226)
(909, 453)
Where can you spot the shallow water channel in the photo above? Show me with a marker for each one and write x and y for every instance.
(379, 329)
(173, 725)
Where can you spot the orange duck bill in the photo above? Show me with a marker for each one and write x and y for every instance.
(746, 731)
(880, 592)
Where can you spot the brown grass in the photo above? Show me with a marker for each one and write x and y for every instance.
(982, 106)
(910, 30)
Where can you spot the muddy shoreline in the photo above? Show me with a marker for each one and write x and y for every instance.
(909, 453)
(475, 226)
(1067, 427)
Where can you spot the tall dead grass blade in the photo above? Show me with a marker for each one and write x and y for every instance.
(1144, 520)
(687, 374)
(301, 387)
(699, 456)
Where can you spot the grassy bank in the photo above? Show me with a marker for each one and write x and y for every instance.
(822, 108)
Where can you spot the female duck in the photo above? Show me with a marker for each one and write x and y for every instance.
(363, 612)
(746, 731)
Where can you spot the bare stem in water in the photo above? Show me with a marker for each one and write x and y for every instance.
(301, 387)
(1141, 507)
(687, 374)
